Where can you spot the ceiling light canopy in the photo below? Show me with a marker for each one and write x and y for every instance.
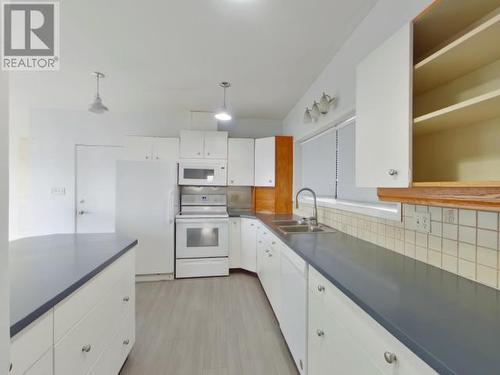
(223, 114)
(97, 106)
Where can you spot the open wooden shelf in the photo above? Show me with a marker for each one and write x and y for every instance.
(477, 47)
(478, 198)
(481, 108)
(457, 184)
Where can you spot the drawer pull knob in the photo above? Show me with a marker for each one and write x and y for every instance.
(390, 357)
(126, 342)
(86, 348)
(320, 333)
(126, 299)
(274, 243)
(393, 172)
(321, 288)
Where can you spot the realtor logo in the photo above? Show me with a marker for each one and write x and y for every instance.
(30, 35)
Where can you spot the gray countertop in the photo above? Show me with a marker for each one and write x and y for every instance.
(450, 322)
(46, 269)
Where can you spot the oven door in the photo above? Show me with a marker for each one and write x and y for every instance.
(202, 174)
(202, 238)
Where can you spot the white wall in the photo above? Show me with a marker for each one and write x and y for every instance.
(43, 155)
(4, 224)
(338, 78)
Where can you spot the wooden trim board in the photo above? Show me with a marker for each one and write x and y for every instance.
(480, 198)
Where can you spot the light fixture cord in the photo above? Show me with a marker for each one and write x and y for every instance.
(97, 85)
(224, 97)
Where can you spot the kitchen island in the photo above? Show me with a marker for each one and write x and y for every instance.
(71, 296)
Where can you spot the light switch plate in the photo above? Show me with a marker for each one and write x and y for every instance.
(423, 222)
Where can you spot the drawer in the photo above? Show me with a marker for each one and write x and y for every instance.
(80, 348)
(29, 345)
(118, 347)
(72, 309)
(202, 267)
(44, 366)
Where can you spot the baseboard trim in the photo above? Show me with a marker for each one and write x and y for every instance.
(155, 277)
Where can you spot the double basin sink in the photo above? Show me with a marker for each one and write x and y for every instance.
(301, 226)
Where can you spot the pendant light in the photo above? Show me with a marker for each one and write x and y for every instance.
(223, 114)
(96, 106)
(315, 113)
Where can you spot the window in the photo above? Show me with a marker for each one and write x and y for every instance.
(327, 165)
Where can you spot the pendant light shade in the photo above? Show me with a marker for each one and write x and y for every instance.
(97, 106)
(223, 114)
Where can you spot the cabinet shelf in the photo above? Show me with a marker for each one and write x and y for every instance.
(477, 47)
(472, 111)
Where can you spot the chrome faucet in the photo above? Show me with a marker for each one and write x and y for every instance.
(314, 219)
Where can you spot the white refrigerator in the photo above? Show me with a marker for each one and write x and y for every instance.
(146, 205)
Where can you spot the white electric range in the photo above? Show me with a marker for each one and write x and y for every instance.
(202, 233)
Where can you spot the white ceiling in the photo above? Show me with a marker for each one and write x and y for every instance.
(169, 55)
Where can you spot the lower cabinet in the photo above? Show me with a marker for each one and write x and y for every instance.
(90, 332)
(269, 256)
(234, 242)
(249, 244)
(344, 339)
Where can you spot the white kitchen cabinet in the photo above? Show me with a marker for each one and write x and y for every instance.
(197, 144)
(293, 307)
(44, 366)
(240, 162)
(384, 113)
(234, 242)
(249, 244)
(265, 161)
(215, 146)
(29, 345)
(268, 266)
(342, 335)
(151, 148)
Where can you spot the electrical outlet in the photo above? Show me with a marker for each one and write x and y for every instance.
(423, 222)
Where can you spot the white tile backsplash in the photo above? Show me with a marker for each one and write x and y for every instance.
(462, 241)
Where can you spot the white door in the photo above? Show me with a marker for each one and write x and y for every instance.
(249, 244)
(215, 145)
(96, 188)
(265, 161)
(191, 144)
(384, 113)
(240, 162)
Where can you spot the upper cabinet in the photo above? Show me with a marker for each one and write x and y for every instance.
(240, 162)
(197, 144)
(447, 153)
(384, 113)
(265, 162)
(151, 148)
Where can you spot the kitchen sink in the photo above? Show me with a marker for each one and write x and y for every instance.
(304, 228)
(287, 222)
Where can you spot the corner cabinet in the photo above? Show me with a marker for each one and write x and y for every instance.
(384, 113)
(343, 336)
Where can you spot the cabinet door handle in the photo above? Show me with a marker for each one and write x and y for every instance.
(157, 158)
(126, 342)
(126, 299)
(321, 288)
(86, 348)
(208, 153)
(393, 172)
(390, 357)
(270, 181)
(273, 243)
(147, 157)
(320, 333)
(232, 181)
(199, 153)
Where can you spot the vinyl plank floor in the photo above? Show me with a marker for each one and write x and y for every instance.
(209, 326)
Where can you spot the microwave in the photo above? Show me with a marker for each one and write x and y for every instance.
(203, 173)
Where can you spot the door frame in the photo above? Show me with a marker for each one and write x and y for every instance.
(75, 201)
